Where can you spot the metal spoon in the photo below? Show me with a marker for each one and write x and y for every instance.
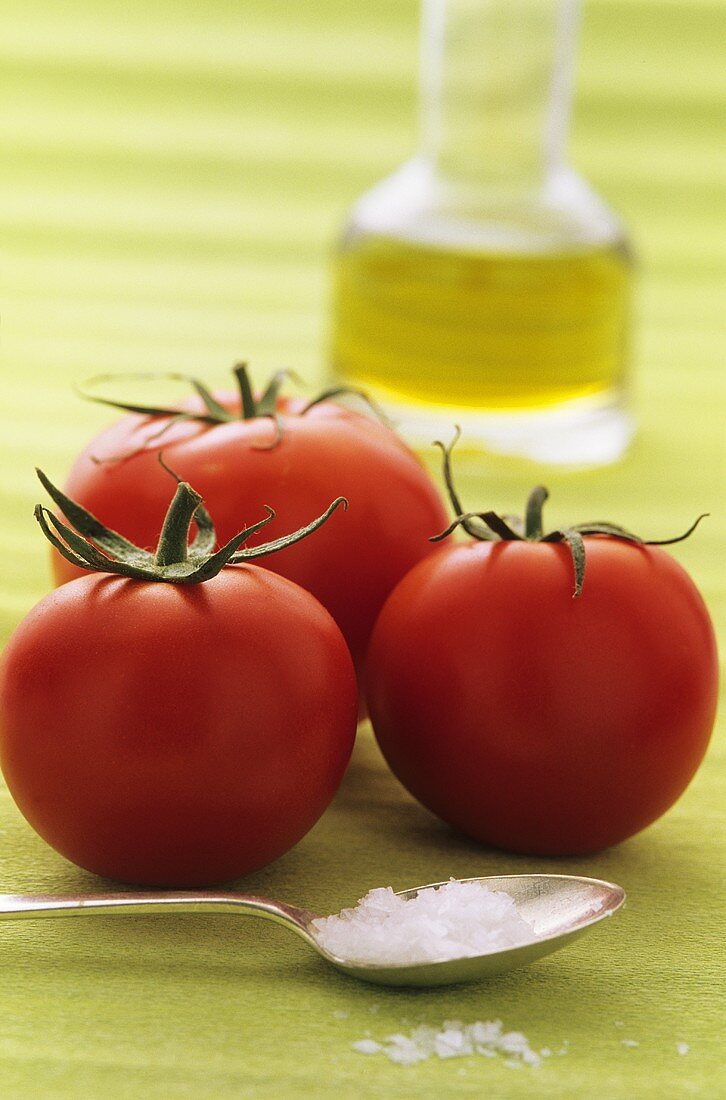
(559, 907)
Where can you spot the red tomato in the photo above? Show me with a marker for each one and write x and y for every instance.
(177, 735)
(353, 562)
(533, 721)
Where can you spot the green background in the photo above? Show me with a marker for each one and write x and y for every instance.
(172, 177)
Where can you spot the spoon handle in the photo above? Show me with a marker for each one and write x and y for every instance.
(24, 906)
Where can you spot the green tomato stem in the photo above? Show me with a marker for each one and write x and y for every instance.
(173, 546)
(490, 526)
(251, 407)
(88, 544)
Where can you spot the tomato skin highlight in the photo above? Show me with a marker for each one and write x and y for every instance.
(176, 735)
(535, 722)
(352, 564)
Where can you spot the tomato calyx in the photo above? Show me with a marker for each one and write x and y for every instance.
(87, 543)
(212, 412)
(491, 527)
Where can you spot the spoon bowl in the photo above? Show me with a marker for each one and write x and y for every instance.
(559, 908)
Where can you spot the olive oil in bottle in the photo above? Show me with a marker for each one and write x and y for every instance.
(484, 283)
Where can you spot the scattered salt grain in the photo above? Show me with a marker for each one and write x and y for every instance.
(630, 1043)
(341, 1014)
(367, 1046)
(453, 921)
(455, 1040)
(682, 1048)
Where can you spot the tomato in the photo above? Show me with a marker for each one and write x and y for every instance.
(176, 734)
(351, 565)
(535, 722)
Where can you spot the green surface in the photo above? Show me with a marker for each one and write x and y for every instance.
(171, 178)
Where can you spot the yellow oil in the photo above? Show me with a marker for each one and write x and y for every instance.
(423, 325)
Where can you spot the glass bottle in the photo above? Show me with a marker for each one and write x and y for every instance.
(484, 283)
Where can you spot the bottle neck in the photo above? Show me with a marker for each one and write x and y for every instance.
(495, 88)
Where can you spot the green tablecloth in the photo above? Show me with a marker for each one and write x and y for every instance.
(171, 177)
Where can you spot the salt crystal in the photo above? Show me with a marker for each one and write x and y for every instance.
(486, 1036)
(403, 1050)
(682, 1048)
(455, 1040)
(630, 1043)
(531, 1058)
(452, 1043)
(513, 1042)
(457, 920)
(367, 1046)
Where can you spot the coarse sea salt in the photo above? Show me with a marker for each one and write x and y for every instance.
(453, 921)
(456, 1040)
